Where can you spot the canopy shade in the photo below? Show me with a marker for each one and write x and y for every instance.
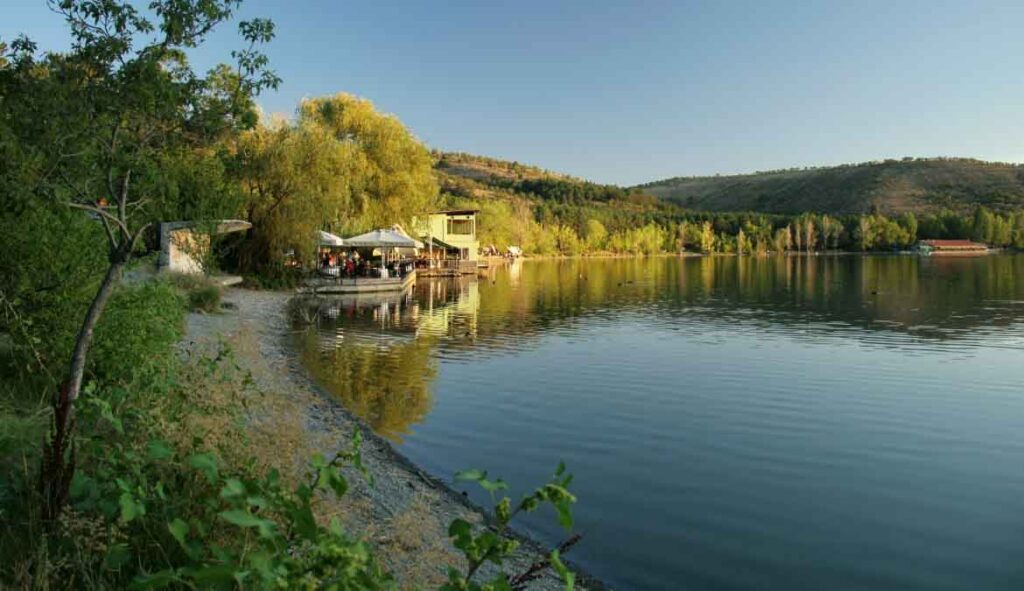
(382, 239)
(328, 239)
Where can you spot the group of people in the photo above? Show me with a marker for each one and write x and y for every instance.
(340, 265)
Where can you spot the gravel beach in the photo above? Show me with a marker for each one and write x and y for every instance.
(406, 513)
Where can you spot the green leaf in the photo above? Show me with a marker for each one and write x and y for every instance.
(130, 508)
(241, 518)
(473, 474)
(480, 477)
(83, 487)
(156, 580)
(503, 511)
(233, 488)
(159, 450)
(117, 556)
(337, 482)
(205, 463)
(179, 529)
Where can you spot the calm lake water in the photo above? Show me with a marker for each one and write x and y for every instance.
(779, 423)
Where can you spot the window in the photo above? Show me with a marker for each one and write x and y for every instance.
(460, 227)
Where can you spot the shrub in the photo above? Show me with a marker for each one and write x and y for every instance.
(204, 299)
(138, 329)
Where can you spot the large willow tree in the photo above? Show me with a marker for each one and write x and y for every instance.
(341, 165)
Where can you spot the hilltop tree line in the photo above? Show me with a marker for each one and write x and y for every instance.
(548, 216)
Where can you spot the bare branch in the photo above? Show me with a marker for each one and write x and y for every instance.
(104, 213)
(111, 237)
(122, 197)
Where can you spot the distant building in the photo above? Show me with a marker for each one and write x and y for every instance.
(449, 234)
(951, 247)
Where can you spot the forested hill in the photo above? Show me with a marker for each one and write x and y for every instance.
(472, 176)
(873, 206)
(891, 187)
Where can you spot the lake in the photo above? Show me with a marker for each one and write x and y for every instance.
(822, 422)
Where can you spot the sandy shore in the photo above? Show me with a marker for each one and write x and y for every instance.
(407, 511)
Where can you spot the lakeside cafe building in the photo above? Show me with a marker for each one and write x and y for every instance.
(451, 240)
(387, 244)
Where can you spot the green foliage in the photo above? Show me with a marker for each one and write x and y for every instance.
(494, 544)
(556, 202)
(342, 166)
(261, 533)
(141, 323)
(46, 281)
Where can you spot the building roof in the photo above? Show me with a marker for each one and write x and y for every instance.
(441, 244)
(457, 212)
(953, 244)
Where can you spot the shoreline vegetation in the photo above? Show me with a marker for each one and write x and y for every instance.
(127, 460)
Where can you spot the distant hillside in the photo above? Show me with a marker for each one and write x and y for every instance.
(892, 186)
(482, 168)
(472, 176)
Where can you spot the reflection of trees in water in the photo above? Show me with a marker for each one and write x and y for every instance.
(385, 382)
(379, 355)
(949, 295)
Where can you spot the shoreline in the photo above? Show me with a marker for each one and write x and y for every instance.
(403, 493)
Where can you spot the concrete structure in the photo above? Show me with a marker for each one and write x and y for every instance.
(185, 245)
(449, 234)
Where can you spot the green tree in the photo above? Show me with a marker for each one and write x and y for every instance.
(707, 238)
(864, 235)
(392, 176)
(98, 123)
(1017, 233)
(909, 222)
(781, 240)
(566, 240)
(596, 235)
(984, 225)
(743, 244)
(1002, 231)
(342, 166)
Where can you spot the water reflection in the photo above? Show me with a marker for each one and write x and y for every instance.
(379, 354)
(777, 423)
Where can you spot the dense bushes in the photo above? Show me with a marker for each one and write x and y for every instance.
(141, 323)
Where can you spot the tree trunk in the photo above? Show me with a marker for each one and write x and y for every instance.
(58, 461)
(84, 340)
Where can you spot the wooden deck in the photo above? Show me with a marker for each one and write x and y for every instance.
(358, 284)
(450, 268)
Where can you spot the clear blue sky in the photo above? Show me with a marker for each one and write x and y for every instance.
(627, 92)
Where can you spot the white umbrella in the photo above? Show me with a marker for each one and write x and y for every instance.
(382, 239)
(328, 239)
